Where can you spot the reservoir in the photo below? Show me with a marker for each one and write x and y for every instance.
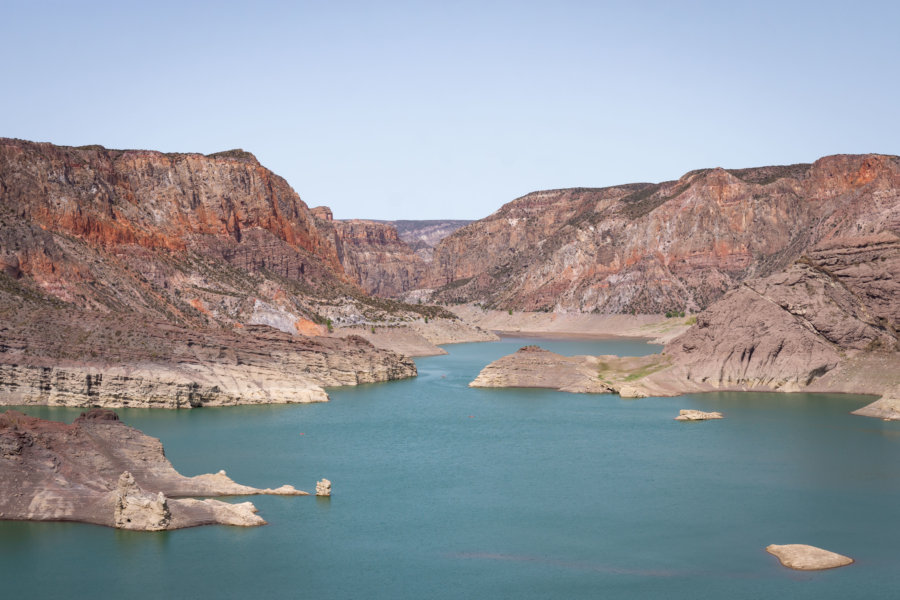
(444, 491)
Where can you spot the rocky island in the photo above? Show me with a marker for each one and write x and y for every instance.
(98, 470)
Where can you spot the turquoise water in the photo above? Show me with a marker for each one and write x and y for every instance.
(441, 491)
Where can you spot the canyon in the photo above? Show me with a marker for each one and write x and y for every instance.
(132, 277)
(227, 288)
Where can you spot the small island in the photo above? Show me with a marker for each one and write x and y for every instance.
(99, 470)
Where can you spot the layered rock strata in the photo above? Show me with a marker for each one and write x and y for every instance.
(98, 470)
(139, 278)
(372, 254)
(786, 331)
(99, 361)
(651, 248)
(688, 414)
(186, 238)
(534, 367)
(418, 338)
(826, 323)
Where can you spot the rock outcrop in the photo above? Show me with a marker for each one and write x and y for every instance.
(534, 367)
(98, 470)
(385, 258)
(887, 407)
(423, 236)
(323, 487)
(687, 414)
(788, 330)
(132, 277)
(373, 255)
(807, 558)
(650, 248)
(46, 357)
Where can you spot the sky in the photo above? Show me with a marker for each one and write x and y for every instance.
(429, 110)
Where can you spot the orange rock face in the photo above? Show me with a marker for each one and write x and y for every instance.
(155, 200)
(373, 255)
(652, 248)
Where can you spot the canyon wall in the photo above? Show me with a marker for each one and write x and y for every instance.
(678, 245)
(172, 251)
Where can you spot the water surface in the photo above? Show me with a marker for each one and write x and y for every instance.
(442, 491)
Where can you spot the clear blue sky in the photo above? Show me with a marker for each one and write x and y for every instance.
(450, 109)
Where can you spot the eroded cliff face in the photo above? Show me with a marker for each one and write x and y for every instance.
(171, 251)
(98, 470)
(423, 236)
(838, 302)
(373, 255)
(655, 247)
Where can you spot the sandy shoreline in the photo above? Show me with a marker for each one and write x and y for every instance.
(572, 335)
(655, 328)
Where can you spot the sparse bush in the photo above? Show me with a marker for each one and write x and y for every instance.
(509, 311)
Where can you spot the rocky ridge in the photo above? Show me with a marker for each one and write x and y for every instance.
(132, 277)
(372, 254)
(98, 470)
(650, 248)
(826, 323)
(788, 330)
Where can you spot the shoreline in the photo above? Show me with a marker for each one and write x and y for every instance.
(573, 335)
(654, 328)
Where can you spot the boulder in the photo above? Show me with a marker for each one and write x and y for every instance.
(807, 558)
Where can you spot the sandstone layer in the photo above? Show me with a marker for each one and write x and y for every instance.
(887, 407)
(132, 277)
(419, 338)
(807, 558)
(534, 367)
(828, 323)
(836, 307)
(372, 254)
(651, 248)
(659, 329)
(687, 414)
(96, 359)
(98, 470)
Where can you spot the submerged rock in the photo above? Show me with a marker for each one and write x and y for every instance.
(807, 558)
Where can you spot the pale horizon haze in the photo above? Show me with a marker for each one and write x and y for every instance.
(418, 110)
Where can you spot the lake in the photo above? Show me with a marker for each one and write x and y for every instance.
(442, 491)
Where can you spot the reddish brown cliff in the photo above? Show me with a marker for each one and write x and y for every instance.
(676, 245)
(373, 255)
(787, 330)
(170, 252)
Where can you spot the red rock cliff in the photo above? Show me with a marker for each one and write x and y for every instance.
(655, 247)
